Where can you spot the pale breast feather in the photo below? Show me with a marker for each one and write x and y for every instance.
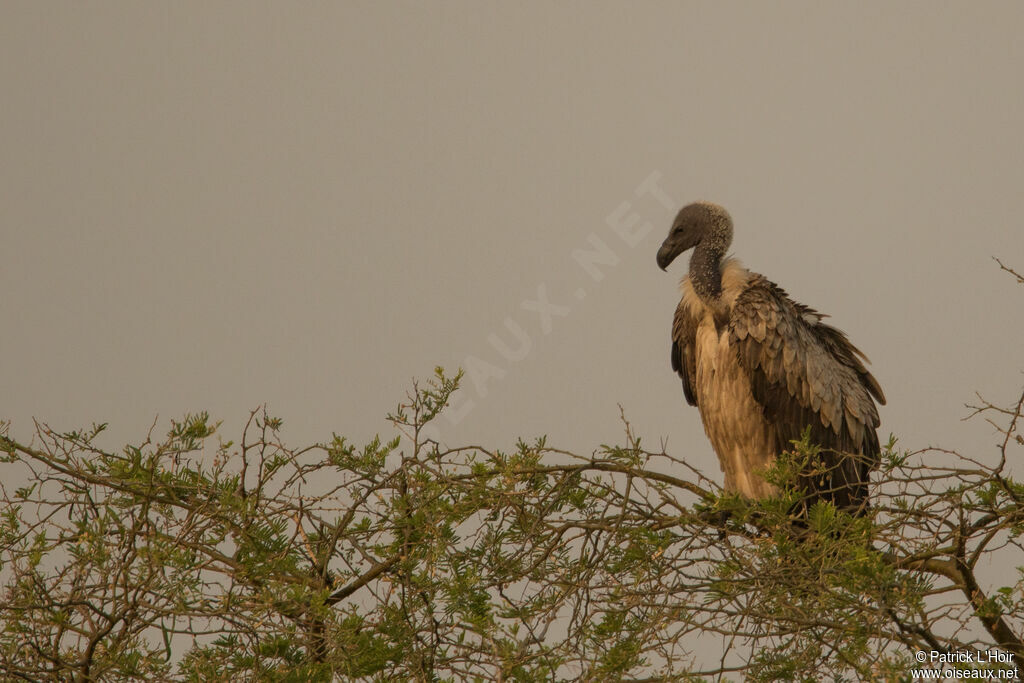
(690, 311)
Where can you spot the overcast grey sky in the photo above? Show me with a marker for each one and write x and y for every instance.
(216, 205)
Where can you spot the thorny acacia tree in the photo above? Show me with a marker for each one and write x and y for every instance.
(411, 560)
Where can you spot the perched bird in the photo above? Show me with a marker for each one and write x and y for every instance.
(762, 368)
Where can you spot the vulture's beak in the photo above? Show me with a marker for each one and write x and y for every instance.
(666, 254)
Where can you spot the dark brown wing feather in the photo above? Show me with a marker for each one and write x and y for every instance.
(805, 373)
(684, 354)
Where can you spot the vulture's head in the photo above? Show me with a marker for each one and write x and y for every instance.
(699, 224)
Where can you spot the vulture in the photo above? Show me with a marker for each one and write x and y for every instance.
(762, 369)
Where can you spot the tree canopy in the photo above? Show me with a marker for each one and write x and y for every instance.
(192, 557)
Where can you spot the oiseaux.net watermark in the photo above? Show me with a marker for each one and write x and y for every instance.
(965, 665)
(626, 226)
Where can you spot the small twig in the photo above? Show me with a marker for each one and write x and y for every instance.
(1011, 271)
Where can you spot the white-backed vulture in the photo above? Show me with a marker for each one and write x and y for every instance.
(762, 368)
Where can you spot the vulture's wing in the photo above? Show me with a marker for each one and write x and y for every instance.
(684, 352)
(806, 373)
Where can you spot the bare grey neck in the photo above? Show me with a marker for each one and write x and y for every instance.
(706, 269)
